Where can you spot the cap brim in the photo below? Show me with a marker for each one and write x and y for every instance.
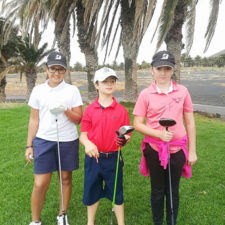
(56, 63)
(162, 63)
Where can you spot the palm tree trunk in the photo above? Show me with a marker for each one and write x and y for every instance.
(31, 77)
(2, 90)
(62, 32)
(130, 49)
(92, 65)
(64, 46)
(85, 33)
(174, 37)
(131, 90)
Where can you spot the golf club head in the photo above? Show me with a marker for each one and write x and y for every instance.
(125, 130)
(57, 110)
(167, 122)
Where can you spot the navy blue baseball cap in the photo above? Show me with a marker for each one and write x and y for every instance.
(56, 59)
(163, 58)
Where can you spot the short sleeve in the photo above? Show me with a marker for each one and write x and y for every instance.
(33, 100)
(85, 122)
(141, 106)
(188, 106)
(77, 100)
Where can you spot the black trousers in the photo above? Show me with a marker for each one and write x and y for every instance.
(160, 184)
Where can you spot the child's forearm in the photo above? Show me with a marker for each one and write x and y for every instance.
(83, 138)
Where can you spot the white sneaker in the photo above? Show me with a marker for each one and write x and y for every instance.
(60, 220)
(35, 223)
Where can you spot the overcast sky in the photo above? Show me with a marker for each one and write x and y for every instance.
(147, 48)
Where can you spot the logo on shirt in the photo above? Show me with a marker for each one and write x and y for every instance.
(178, 99)
(113, 117)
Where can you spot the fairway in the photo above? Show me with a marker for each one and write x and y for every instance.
(202, 199)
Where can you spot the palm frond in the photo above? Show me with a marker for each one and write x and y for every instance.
(190, 25)
(94, 10)
(140, 6)
(93, 34)
(118, 47)
(107, 19)
(88, 7)
(114, 37)
(130, 3)
(143, 15)
(148, 15)
(159, 18)
(74, 23)
(166, 21)
(212, 22)
(105, 15)
(108, 30)
(67, 22)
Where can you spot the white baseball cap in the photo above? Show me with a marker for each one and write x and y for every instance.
(104, 73)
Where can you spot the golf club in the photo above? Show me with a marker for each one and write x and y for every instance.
(165, 122)
(56, 111)
(122, 131)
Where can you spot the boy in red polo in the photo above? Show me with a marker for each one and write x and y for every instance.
(99, 124)
(165, 99)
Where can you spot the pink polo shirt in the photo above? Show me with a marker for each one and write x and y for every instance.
(102, 124)
(154, 105)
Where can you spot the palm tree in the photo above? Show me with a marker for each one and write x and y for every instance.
(33, 13)
(7, 50)
(26, 62)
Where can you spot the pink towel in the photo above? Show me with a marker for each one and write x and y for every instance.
(163, 155)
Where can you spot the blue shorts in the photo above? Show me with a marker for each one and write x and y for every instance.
(46, 155)
(96, 173)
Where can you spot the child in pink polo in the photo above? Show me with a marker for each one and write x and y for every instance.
(165, 98)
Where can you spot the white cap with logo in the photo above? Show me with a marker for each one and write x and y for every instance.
(104, 73)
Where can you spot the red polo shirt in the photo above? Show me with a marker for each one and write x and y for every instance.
(102, 124)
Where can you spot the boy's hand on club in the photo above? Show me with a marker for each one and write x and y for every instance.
(166, 135)
(121, 139)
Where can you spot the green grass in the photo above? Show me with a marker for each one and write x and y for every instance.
(202, 197)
